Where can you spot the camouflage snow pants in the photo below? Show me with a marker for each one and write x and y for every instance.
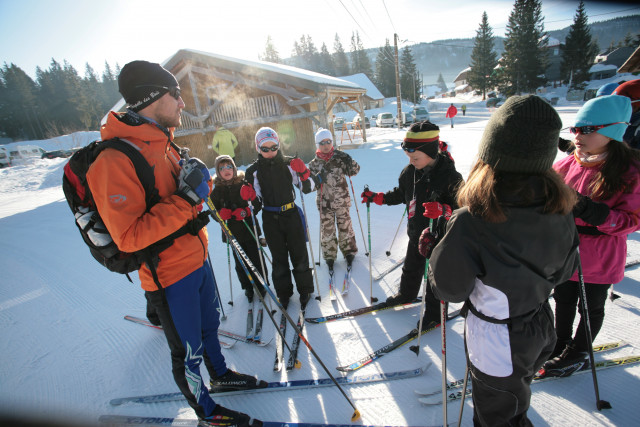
(346, 239)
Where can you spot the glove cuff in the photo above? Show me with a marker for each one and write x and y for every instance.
(190, 196)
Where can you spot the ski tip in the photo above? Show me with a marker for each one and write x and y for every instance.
(355, 416)
(297, 365)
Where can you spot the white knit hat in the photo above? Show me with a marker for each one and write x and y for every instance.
(266, 134)
(323, 134)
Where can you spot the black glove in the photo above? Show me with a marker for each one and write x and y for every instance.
(594, 213)
(196, 224)
(565, 145)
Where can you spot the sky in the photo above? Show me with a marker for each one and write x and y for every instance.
(32, 32)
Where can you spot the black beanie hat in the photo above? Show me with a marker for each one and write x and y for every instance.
(141, 83)
(521, 136)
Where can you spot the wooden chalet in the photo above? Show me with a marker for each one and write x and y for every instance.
(245, 95)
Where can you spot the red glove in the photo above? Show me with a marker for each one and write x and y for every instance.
(247, 192)
(426, 243)
(298, 166)
(225, 213)
(435, 209)
(370, 196)
(241, 213)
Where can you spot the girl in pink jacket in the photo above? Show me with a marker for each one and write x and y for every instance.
(605, 172)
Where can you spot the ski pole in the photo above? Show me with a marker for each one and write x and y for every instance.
(320, 228)
(306, 226)
(398, 229)
(443, 330)
(255, 236)
(355, 202)
(246, 264)
(464, 391)
(416, 348)
(229, 265)
(215, 282)
(373, 299)
(600, 404)
(260, 248)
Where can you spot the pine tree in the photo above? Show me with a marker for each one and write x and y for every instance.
(360, 62)
(579, 50)
(483, 59)
(340, 59)
(410, 85)
(441, 84)
(524, 58)
(325, 62)
(19, 107)
(385, 76)
(270, 53)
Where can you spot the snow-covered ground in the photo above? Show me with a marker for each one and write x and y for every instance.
(66, 350)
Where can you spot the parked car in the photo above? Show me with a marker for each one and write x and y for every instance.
(55, 154)
(367, 123)
(385, 120)
(4, 158)
(374, 119)
(419, 114)
(493, 102)
(338, 123)
(405, 119)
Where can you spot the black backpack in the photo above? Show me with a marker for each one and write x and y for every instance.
(78, 195)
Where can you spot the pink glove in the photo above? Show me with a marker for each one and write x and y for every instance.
(225, 213)
(247, 192)
(241, 213)
(426, 243)
(435, 209)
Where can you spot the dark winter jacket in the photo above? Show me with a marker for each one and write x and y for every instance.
(335, 190)
(281, 180)
(226, 194)
(438, 182)
(506, 270)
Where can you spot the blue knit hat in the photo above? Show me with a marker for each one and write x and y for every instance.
(604, 110)
(607, 89)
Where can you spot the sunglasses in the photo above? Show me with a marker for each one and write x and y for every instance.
(411, 150)
(226, 167)
(174, 91)
(586, 130)
(267, 149)
(325, 142)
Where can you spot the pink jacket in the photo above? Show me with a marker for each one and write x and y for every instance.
(603, 256)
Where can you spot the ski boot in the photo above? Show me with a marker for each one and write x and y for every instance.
(232, 381)
(570, 361)
(349, 259)
(222, 416)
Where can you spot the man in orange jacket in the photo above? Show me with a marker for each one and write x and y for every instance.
(179, 284)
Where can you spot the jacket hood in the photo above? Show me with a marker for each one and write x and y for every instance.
(238, 179)
(132, 126)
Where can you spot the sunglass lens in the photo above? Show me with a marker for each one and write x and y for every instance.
(175, 92)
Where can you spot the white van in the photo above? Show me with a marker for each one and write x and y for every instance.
(4, 158)
(30, 151)
(385, 120)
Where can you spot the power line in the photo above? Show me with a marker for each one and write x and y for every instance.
(390, 20)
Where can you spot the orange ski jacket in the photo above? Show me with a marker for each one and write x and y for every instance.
(120, 199)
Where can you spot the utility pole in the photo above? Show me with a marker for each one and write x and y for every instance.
(398, 97)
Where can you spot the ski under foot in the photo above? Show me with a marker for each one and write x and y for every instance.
(293, 361)
(459, 383)
(284, 385)
(127, 420)
(601, 364)
(363, 310)
(389, 269)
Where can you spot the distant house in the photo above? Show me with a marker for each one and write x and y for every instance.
(245, 95)
(372, 98)
(554, 60)
(615, 56)
(461, 82)
(602, 71)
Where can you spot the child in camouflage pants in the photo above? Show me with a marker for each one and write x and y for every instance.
(333, 199)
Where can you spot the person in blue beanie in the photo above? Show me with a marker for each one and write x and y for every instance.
(607, 89)
(605, 173)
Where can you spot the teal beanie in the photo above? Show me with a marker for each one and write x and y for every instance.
(604, 110)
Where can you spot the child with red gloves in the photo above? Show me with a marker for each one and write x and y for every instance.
(236, 212)
(427, 185)
(271, 182)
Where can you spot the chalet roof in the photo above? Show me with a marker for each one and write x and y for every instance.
(462, 75)
(363, 81)
(632, 64)
(595, 68)
(266, 70)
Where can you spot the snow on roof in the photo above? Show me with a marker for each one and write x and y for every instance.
(602, 67)
(461, 87)
(363, 81)
(462, 74)
(552, 41)
(288, 70)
